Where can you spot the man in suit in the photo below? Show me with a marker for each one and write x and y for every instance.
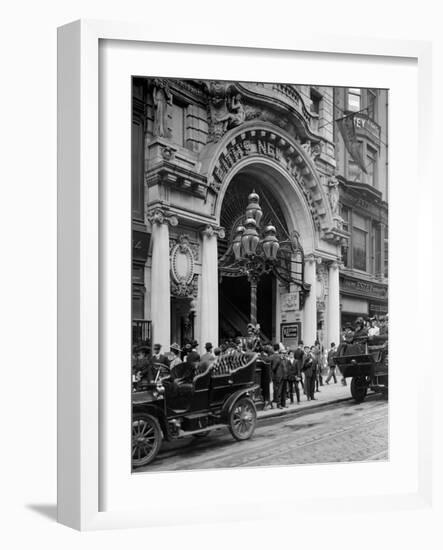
(283, 378)
(299, 356)
(158, 357)
(331, 354)
(276, 373)
(309, 369)
(193, 356)
(143, 365)
(293, 377)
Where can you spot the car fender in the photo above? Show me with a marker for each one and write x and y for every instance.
(230, 401)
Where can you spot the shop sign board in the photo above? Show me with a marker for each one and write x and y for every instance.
(290, 334)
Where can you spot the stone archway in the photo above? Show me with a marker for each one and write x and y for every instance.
(270, 146)
(284, 207)
(268, 154)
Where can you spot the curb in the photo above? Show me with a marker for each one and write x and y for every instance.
(263, 415)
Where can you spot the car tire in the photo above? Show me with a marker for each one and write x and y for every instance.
(146, 439)
(242, 419)
(359, 388)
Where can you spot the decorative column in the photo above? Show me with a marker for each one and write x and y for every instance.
(333, 304)
(160, 279)
(310, 307)
(209, 285)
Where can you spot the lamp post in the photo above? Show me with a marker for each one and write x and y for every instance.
(254, 253)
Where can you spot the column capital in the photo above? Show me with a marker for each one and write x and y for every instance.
(312, 258)
(161, 216)
(213, 231)
(335, 264)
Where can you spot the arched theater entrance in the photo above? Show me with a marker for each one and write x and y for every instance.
(295, 198)
(283, 208)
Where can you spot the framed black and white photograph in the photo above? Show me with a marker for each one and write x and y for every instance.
(260, 256)
(232, 317)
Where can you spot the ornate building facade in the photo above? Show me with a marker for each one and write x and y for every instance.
(363, 193)
(199, 149)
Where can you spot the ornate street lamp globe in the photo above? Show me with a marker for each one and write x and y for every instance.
(253, 210)
(270, 243)
(250, 237)
(236, 242)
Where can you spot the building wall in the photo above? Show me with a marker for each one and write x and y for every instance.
(364, 203)
(173, 176)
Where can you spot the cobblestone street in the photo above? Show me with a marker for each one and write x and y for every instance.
(339, 432)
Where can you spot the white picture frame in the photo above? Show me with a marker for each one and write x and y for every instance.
(82, 294)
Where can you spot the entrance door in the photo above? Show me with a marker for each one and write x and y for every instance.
(235, 306)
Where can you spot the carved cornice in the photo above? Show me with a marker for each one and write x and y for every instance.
(160, 216)
(169, 174)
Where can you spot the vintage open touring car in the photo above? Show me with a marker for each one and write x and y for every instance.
(193, 400)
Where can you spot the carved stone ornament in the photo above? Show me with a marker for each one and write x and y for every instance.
(159, 216)
(184, 290)
(211, 231)
(183, 277)
(334, 197)
(226, 109)
(162, 100)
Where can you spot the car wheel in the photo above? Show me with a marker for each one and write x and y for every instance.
(146, 439)
(243, 419)
(359, 388)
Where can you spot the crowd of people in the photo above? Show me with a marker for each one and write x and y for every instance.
(286, 374)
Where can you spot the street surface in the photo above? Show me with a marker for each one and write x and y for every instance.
(340, 432)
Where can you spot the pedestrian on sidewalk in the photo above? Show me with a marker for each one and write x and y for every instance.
(319, 364)
(331, 354)
(309, 369)
(284, 375)
(293, 374)
(275, 360)
(265, 379)
(299, 356)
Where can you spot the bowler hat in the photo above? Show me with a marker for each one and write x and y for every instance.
(208, 345)
(194, 343)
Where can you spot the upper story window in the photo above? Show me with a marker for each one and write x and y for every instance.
(178, 125)
(315, 101)
(371, 103)
(371, 165)
(359, 242)
(354, 99)
(345, 214)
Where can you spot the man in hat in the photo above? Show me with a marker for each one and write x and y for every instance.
(309, 369)
(193, 356)
(143, 365)
(275, 360)
(175, 351)
(299, 356)
(360, 335)
(158, 357)
(331, 354)
(208, 356)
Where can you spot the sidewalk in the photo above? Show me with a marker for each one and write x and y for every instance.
(332, 393)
